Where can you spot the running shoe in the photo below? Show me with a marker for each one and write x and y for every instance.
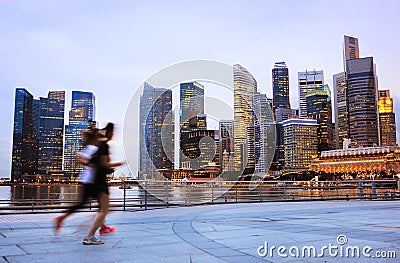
(107, 230)
(92, 241)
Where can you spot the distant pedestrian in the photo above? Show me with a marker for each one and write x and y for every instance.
(103, 167)
(87, 177)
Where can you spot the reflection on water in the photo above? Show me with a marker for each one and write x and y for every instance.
(20, 195)
(45, 194)
(32, 195)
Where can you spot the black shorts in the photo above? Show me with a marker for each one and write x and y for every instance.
(93, 190)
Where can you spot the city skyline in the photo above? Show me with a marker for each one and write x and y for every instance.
(57, 53)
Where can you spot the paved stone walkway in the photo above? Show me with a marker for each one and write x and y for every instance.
(215, 233)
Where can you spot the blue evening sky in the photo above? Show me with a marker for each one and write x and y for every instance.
(110, 47)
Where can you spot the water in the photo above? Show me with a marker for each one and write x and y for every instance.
(22, 194)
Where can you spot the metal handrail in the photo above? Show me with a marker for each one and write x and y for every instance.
(168, 193)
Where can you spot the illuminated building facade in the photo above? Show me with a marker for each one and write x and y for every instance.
(244, 86)
(387, 118)
(362, 103)
(300, 142)
(199, 148)
(157, 131)
(191, 103)
(281, 114)
(51, 132)
(264, 133)
(226, 144)
(81, 117)
(280, 86)
(38, 133)
(319, 107)
(341, 109)
(365, 160)
(25, 135)
(308, 81)
(351, 49)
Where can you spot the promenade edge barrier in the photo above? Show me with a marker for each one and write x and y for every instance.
(171, 193)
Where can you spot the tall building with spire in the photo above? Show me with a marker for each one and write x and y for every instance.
(351, 49)
(387, 118)
(356, 99)
(244, 88)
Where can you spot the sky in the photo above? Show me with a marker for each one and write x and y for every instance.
(111, 47)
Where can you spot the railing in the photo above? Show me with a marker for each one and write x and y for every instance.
(147, 194)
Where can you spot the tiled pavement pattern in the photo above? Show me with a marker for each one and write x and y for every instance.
(214, 233)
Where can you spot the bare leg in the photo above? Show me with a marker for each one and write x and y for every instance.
(59, 220)
(101, 215)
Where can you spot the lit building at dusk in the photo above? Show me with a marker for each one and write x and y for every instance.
(300, 142)
(51, 132)
(341, 109)
(81, 118)
(319, 107)
(364, 160)
(387, 118)
(25, 135)
(308, 82)
(264, 133)
(244, 88)
(280, 86)
(156, 131)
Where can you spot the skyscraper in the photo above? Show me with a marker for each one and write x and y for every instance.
(191, 103)
(244, 86)
(281, 114)
(362, 103)
(351, 49)
(199, 148)
(301, 143)
(51, 132)
(81, 118)
(156, 131)
(387, 118)
(341, 109)
(280, 86)
(319, 107)
(264, 133)
(308, 81)
(25, 135)
(226, 142)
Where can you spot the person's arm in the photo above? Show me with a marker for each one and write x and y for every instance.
(84, 161)
(81, 160)
(105, 162)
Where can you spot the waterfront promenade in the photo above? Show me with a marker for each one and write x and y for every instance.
(215, 233)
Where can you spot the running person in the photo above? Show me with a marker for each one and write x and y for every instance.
(86, 177)
(103, 167)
